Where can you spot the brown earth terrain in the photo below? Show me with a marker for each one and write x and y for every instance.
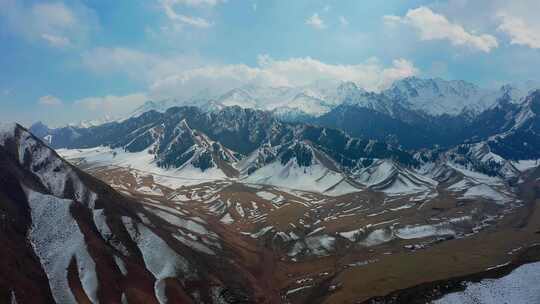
(396, 271)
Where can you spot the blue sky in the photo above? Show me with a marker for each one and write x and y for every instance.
(64, 61)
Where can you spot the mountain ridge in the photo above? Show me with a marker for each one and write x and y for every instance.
(78, 240)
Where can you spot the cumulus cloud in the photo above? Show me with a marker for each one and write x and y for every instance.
(371, 75)
(316, 22)
(54, 23)
(519, 31)
(433, 26)
(50, 100)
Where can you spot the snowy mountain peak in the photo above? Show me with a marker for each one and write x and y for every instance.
(438, 97)
(348, 88)
(238, 97)
(348, 92)
(39, 126)
(436, 85)
(93, 122)
(151, 105)
(183, 125)
(518, 91)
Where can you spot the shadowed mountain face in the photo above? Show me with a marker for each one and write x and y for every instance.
(414, 129)
(188, 136)
(249, 144)
(68, 237)
(414, 113)
(190, 140)
(521, 138)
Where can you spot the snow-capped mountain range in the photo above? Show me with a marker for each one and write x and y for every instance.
(433, 97)
(313, 100)
(258, 147)
(231, 143)
(444, 111)
(383, 134)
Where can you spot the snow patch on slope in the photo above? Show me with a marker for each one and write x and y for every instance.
(519, 287)
(524, 165)
(105, 231)
(315, 178)
(485, 191)
(423, 231)
(386, 176)
(144, 161)
(52, 171)
(378, 237)
(194, 244)
(159, 258)
(56, 238)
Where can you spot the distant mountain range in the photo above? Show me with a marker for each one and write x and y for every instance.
(421, 113)
(416, 113)
(258, 147)
(414, 124)
(431, 97)
(232, 142)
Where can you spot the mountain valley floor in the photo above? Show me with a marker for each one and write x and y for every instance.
(362, 247)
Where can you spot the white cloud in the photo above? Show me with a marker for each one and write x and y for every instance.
(194, 3)
(217, 79)
(519, 31)
(55, 23)
(182, 76)
(198, 22)
(54, 15)
(433, 26)
(50, 100)
(193, 21)
(137, 65)
(111, 105)
(392, 20)
(107, 60)
(56, 41)
(343, 21)
(316, 22)
(401, 68)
